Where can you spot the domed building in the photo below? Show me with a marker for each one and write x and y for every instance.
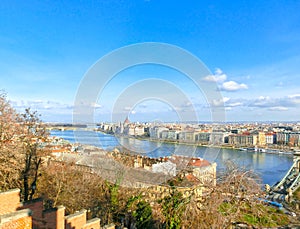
(126, 122)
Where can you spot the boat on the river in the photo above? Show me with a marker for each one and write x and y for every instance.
(262, 150)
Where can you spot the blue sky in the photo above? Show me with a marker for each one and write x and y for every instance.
(252, 49)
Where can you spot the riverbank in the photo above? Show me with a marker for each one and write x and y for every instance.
(271, 167)
(168, 141)
(274, 150)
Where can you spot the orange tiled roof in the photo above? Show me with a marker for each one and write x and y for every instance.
(197, 162)
(190, 177)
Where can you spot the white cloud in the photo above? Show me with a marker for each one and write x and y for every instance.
(39, 105)
(227, 102)
(233, 86)
(49, 110)
(278, 109)
(217, 102)
(220, 102)
(280, 103)
(225, 99)
(295, 98)
(263, 101)
(263, 97)
(219, 76)
(96, 105)
(236, 104)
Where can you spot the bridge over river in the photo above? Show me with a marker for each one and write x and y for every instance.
(283, 190)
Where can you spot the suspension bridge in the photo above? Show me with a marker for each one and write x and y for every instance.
(283, 190)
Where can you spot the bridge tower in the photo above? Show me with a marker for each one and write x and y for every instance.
(296, 158)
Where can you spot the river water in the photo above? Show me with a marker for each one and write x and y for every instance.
(271, 167)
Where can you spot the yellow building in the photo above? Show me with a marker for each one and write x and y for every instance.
(261, 138)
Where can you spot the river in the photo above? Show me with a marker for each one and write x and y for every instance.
(271, 167)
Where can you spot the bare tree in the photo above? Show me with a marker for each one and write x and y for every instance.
(9, 147)
(32, 139)
(73, 186)
(21, 148)
(235, 199)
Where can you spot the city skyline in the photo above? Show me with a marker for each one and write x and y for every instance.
(252, 50)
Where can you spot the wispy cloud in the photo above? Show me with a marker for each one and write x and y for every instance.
(268, 102)
(294, 98)
(278, 109)
(40, 105)
(235, 104)
(49, 110)
(261, 102)
(228, 103)
(281, 74)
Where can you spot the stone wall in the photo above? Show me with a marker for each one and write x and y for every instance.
(16, 215)
(10, 216)
(10, 201)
